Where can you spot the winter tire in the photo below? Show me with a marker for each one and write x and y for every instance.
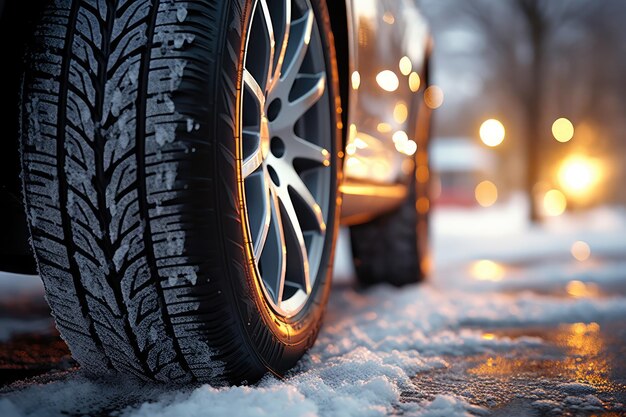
(394, 247)
(180, 175)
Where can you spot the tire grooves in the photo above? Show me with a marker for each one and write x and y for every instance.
(105, 220)
(63, 184)
(142, 93)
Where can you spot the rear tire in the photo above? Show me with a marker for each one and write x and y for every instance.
(392, 248)
(132, 162)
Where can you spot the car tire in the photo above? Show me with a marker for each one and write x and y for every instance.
(138, 153)
(394, 247)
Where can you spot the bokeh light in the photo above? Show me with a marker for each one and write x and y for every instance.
(562, 130)
(422, 205)
(578, 175)
(403, 144)
(492, 132)
(579, 289)
(405, 65)
(581, 251)
(414, 82)
(486, 193)
(389, 18)
(433, 97)
(384, 127)
(422, 174)
(388, 80)
(486, 270)
(554, 203)
(400, 137)
(356, 80)
(400, 112)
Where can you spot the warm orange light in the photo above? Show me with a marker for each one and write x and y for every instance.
(422, 174)
(489, 336)
(403, 144)
(400, 112)
(579, 289)
(422, 205)
(405, 65)
(388, 80)
(492, 132)
(433, 97)
(414, 82)
(485, 270)
(486, 193)
(581, 251)
(554, 203)
(562, 130)
(353, 132)
(383, 127)
(356, 80)
(578, 175)
(400, 137)
(410, 148)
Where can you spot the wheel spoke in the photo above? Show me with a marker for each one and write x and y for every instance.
(301, 148)
(259, 243)
(252, 162)
(314, 90)
(291, 225)
(308, 89)
(254, 87)
(298, 189)
(276, 73)
(274, 254)
(299, 38)
(269, 26)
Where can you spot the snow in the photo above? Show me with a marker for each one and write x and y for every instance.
(181, 12)
(374, 342)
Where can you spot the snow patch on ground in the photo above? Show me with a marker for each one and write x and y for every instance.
(374, 342)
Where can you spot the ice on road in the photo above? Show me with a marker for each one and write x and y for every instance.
(504, 298)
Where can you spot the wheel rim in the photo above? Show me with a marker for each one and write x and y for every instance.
(286, 145)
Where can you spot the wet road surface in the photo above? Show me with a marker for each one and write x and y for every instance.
(578, 369)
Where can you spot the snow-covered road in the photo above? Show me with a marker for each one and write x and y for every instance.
(512, 323)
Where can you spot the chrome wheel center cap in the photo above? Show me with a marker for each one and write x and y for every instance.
(265, 137)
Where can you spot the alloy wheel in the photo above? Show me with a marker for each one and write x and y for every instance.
(286, 145)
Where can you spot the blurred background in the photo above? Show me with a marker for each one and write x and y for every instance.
(532, 116)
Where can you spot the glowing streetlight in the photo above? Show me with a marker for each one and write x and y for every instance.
(578, 175)
(492, 132)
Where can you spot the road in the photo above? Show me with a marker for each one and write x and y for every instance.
(515, 321)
